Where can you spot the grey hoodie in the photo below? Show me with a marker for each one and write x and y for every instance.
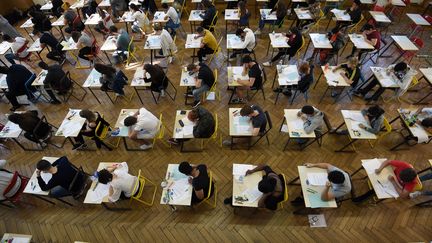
(314, 122)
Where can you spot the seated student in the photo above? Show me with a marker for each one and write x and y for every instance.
(85, 42)
(55, 80)
(281, 12)
(371, 36)
(313, 120)
(143, 126)
(7, 28)
(295, 41)
(173, 19)
(244, 14)
(404, 183)
(112, 79)
(272, 186)
(88, 129)
(355, 12)
(121, 182)
(19, 80)
(149, 5)
(208, 43)
(306, 79)
(117, 7)
(55, 50)
(203, 81)
(105, 23)
(73, 22)
(123, 40)
(199, 179)
(255, 78)
(374, 116)
(63, 174)
(168, 46)
(402, 74)
(351, 74)
(210, 12)
(57, 7)
(6, 178)
(19, 49)
(204, 124)
(315, 11)
(157, 77)
(140, 20)
(28, 121)
(247, 38)
(89, 8)
(337, 40)
(257, 117)
(40, 20)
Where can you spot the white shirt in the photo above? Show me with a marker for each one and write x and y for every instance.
(140, 18)
(167, 43)
(17, 45)
(123, 182)
(173, 15)
(107, 20)
(147, 122)
(249, 41)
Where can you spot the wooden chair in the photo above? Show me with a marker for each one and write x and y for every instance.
(387, 129)
(212, 186)
(140, 184)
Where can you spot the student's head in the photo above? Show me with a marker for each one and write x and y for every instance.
(192, 67)
(400, 69)
(16, 118)
(356, 3)
(130, 121)
(200, 30)
(294, 31)
(427, 122)
(240, 32)
(267, 184)
(113, 29)
(185, 168)
(242, 6)
(105, 69)
(4, 69)
(304, 68)
(336, 177)
(353, 62)
(193, 115)
(133, 7)
(311, 2)
(88, 115)
(7, 38)
(104, 176)
(368, 28)
(206, 3)
(149, 68)
(43, 165)
(407, 175)
(157, 27)
(308, 110)
(43, 65)
(375, 111)
(165, 6)
(247, 60)
(75, 36)
(247, 110)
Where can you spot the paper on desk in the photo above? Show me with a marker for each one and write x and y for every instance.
(70, 128)
(317, 178)
(243, 128)
(420, 133)
(241, 120)
(284, 128)
(316, 201)
(99, 193)
(180, 189)
(188, 130)
(371, 165)
(355, 125)
(355, 116)
(387, 82)
(17, 239)
(252, 194)
(46, 177)
(331, 76)
(240, 169)
(386, 187)
(296, 125)
(279, 42)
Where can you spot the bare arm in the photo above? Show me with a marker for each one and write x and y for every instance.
(325, 166)
(404, 194)
(259, 167)
(255, 131)
(383, 165)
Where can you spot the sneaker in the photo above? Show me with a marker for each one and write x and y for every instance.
(257, 32)
(173, 141)
(226, 143)
(162, 93)
(238, 100)
(196, 104)
(170, 59)
(267, 64)
(297, 201)
(146, 146)
(415, 194)
(55, 102)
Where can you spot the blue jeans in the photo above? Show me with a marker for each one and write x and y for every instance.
(11, 58)
(170, 26)
(29, 88)
(425, 178)
(197, 92)
(58, 192)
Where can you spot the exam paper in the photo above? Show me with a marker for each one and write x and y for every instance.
(296, 125)
(188, 130)
(99, 193)
(317, 178)
(252, 194)
(240, 169)
(371, 165)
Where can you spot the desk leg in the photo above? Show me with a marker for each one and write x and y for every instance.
(424, 204)
(91, 91)
(286, 144)
(319, 77)
(139, 97)
(232, 142)
(109, 60)
(232, 95)
(154, 98)
(357, 171)
(294, 180)
(348, 144)
(25, 29)
(322, 97)
(420, 101)
(19, 144)
(385, 49)
(63, 201)
(399, 144)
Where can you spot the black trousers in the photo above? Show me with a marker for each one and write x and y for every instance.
(370, 86)
(202, 52)
(85, 51)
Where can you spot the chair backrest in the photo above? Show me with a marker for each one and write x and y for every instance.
(77, 183)
(419, 185)
(302, 45)
(210, 174)
(131, 50)
(356, 25)
(284, 183)
(269, 122)
(161, 130)
(214, 135)
(215, 73)
(418, 41)
(42, 121)
(428, 18)
(139, 180)
(387, 125)
(214, 20)
(378, 8)
(218, 45)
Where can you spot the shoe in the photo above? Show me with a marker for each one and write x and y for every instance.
(173, 141)
(342, 132)
(415, 194)
(297, 201)
(146, 146)
(257, 32)
(55, 102)
(162, 93)
(170, 59)
(196, 104)
(267, 64)
(226, 143)
(14, 108)
(238, 100)
(228, 200)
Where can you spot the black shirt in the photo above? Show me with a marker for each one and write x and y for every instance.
(50, 41)
(355, 15)
(260, 120)
(351, 75)
(255, 72)
(63, 177)
(205, 125)
(54, 78)
(305, 81)
(271, 202)
(202, 181)
(206, 75)
(16, 78)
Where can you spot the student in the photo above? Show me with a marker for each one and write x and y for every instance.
(295, 41)
(149, 5)
(85, 42)
(157, 77)
(255, 78)
(204, 124)
(140, 20)
(123, 40)
(351, 73)
(313, 120)
(271, 185)
(55, 50)
(244, 14)
(247, 38)
(338, 184)
(208, 43)
(199, 179)
(173, 19)
(405, 181)
(28, 121)
(371, 36)
(73, 22)
(63, 174)
(168, 46)
(89, 8)
(337, 40)
(143, 126)
(203, 81)
(112, 79)
(19, 49)
(105, 23)
(7, 28)
(122, 184)
(6, 178)
(19, 80)
(88, 129)
(306, 79)
(57, 7)
(40, 21)
(210, 12)
(315, 12)
(281, 12)
(402, 75)
(374, 115)
(55, 80)
(117, 7)
(355, 12)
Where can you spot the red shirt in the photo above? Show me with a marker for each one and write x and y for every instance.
(398, 167)
(375, 35)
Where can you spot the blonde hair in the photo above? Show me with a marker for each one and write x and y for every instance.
(353, 61)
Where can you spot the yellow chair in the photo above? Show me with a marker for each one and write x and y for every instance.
(419, 185)
(399, 98)
(160, 134)
(285, 192)
(388, 129)
(317, 23)
(207, 199)
(213, 23)
(353, 28)
(102, 132)
(214, 136)
(300, 49)
(213, 88)
(131, 53)
(137, 197)
(218, 49)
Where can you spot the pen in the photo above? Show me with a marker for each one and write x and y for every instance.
(312, 191)
(97, 183)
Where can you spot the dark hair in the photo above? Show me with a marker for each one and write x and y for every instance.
(304, 68)
(26, 121)
(400, 67)
(75, 35)
(407, 175)
(150, 68)
(185, 168)
(113, 28)
(375, 111)
(267, 184)
(246, 59)
(336, 177)
(104, 176)
(191, 67)
(242, 6)
(6, 37)
(200, 29)
(130, 121)
(43, 65)
(427, 122)
(88, 115)
(357, 2)
(4, 69)
(307, 109)
(239, 31)
(368, 27)
(134, 7)
(43, 165)
(105, 69)
(246, 110)
(164, 5)
(295, 30)
(157, 26)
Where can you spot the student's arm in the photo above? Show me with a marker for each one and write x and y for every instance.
(383, 165)
(198, 82)
(326, 194)
(259, 167)
(132, 134)
(114, 194)
(199, 193)
(255, 131)
(325, 166)
(248, 83)
(404, 194)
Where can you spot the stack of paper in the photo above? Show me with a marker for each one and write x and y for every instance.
(97, 194)
(296, 125)
(252, 194)
(317, 178)
(240, 169)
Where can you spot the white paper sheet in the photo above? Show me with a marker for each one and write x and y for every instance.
(296, 125)
(240, 169)
(420, 133)
(188, 130)
(252, 194)
(317, 178)
(180, 189)
(355, 116)
(71, 128)
(99, 193)
(16, 239)
(284, 128)
(386, 187)
(243, 128)
(46, 177)
(371, 165)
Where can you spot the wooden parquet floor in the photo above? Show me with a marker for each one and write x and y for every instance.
(389, 221)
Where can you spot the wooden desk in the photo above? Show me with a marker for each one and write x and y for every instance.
(93, 82)
(231, 15)
(104, 4)
(16, 238)
(27, 25)
(127, 18)
(195, 17)
(403, 42)
(177, 191)
(70, 126)
(294, 128)
(192, 43)
(4, 47)
(110, 45)
(59, 23)
(234, 43)
(359, 42)
(334, 80)
(98, 192)
(312, 194)
(153, 42)
(12, 131)
(186, 131)
(242, 184)
(287, 75)
(340, 16)
(277, 41)
(159, 17)
(386, 80)
(239, 126)
(426, 75)
(36, 47)
(319, 42)
(380, 17)
(235, 73)
(188, 81)
(265, 14)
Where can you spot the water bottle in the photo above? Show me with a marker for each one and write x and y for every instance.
(280, 68)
